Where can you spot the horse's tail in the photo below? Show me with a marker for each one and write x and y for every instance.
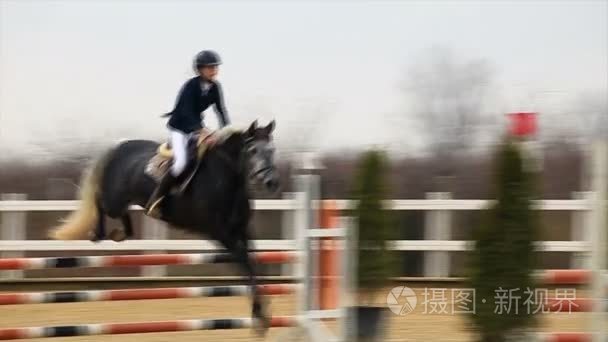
(80, 222)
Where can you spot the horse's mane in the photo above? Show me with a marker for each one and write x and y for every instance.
(226, 132)
(221, 136)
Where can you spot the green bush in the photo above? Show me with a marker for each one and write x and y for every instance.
(503, 256)
(375, 262)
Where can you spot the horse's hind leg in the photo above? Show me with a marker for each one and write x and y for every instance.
(117, 208)
(127, 232)
(100, 230)
(128, 224)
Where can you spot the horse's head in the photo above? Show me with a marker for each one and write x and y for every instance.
(260, 155)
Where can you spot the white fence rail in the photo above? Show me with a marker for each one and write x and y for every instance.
(286, 204)
(436, 245)
(260, 245)
(73, 204)
(586, 208)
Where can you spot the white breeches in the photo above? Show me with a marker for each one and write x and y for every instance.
(179, 145)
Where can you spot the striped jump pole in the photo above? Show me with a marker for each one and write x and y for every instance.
(569, 305)
(142, 294)
(564, 337)
(566, 277)
(139, 260)
(137, 328)
(308, 315)
(599, 240)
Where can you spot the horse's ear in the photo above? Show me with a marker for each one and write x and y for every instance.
(270, 127)
(252, 128)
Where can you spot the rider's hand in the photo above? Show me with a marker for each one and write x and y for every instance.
(211, 140)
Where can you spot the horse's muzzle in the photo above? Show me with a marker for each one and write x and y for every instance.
(272, 184)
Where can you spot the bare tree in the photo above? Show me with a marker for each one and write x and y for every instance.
(580, 118)
(591, 111)
(300, 131)
(447, 98)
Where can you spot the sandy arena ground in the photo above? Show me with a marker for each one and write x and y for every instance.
(416, 326)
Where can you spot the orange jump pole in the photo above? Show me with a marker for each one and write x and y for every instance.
(328, 258)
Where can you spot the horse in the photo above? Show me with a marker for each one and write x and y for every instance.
(216, 202)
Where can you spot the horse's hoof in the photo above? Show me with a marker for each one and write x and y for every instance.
(118, 235)
(261, 320)
(94, 237)
(261, 326)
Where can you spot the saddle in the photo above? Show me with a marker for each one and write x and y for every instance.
(198, 143)
(160, 163)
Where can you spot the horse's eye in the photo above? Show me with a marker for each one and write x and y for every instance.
(253, 150)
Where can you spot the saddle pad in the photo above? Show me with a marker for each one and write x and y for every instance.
(160, 163)
(157, 167)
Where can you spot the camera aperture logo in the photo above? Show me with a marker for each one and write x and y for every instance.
(401, 300)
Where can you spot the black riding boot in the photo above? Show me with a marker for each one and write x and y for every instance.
(159, 193)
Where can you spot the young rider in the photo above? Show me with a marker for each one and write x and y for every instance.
(195, 96)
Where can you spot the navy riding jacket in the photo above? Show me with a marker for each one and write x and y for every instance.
(194, 98)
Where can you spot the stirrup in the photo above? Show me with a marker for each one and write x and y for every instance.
(154, 209)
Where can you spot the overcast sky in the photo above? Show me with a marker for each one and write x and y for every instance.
(72, 70)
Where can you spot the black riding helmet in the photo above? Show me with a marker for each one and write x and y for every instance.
(206, 58)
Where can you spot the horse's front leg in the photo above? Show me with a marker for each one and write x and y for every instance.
(258, 309)
(237, 246)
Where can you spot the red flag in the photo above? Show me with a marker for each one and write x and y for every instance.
(523, 124)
